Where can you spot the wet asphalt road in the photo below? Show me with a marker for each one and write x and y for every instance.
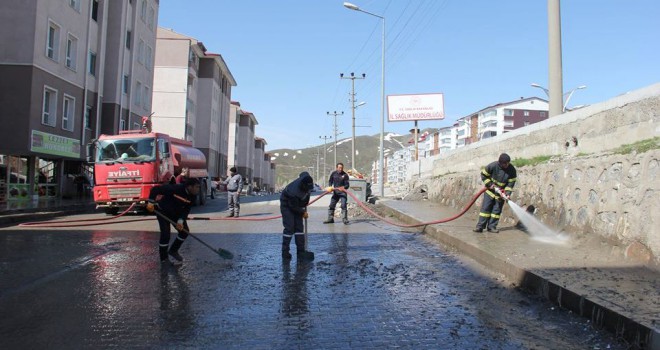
(371, 286)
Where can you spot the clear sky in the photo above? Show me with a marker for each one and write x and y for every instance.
(286, 55)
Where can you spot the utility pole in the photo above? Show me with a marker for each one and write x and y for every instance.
(325, 148)
(353, 100)
(317, 163)
(335, 114)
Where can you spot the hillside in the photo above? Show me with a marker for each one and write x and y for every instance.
(291, 162)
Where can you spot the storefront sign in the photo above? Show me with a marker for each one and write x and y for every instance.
(415, 107)
(54, 144)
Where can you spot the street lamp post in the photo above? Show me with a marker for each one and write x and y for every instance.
(567, 95)
(353, 7)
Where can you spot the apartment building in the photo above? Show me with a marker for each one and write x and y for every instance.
(191, 96)
(56, 83)
(128, 64)
(245, 145)
(500, 118)
(258, 165)
(213, 99)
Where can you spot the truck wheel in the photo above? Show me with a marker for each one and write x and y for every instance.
(111, 211)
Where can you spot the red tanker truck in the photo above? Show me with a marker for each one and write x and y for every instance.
(128, 165)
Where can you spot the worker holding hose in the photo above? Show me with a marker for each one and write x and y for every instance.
(499, 178)
(293, 205)
(174, 202)
(338, 179)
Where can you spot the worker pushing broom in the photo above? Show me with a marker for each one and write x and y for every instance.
(171, 204)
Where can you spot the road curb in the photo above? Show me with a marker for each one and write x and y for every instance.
(632, 331)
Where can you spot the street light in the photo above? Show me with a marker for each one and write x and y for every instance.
(570, 93)
(354, 7)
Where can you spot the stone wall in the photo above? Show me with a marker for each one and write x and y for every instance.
(584, 189)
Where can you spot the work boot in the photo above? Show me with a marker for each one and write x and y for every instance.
(478, 230)
(231, 215)
(236, 215)
(303, 255)
(344, 215)
(286, 241)
(174, 249)
(162, 251)
(330, 219)
(493, 230)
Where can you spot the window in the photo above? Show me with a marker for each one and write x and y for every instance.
(140, 52)
(88, 116)
(147, 60)
(68, 109)
(146, 97)
(508, 113)
(125, 84)
(152, 16)
(71, 51)
(95, 10)
(526, 113)
(92, 63)
(143, 10)
(542, 114)
(128, 39)
(75, 4)
(53, 41)
(50, 106)
(122, 124)
(138, 93)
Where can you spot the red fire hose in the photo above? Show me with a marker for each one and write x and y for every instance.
(105, 221)
(84, 222)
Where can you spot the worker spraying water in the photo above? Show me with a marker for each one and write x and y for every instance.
(498, 177)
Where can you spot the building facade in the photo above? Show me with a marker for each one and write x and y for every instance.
(57, 82)
(213, 99)
(128, 64)
(191, 96)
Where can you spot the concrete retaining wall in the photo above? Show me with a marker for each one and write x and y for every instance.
(584, 189)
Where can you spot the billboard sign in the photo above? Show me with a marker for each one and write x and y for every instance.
(415, 107)
(54, 144)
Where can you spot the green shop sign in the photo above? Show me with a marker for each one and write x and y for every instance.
(54, 144)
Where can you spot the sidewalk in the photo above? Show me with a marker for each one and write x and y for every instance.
(16, 212)
(587, 276)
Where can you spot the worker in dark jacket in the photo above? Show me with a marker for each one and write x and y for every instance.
(499, 176)
(338, 179)
(293, 205)
(174, 202)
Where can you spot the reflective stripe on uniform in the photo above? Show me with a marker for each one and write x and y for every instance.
(512, 179)
(508, 188)
(487, 181)
(179, 238)
(501, 184)
(486, 215)
(299, 234)
(485, 172)
(164, 245)
(288, 236)
(495, 216)
(493, 195)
